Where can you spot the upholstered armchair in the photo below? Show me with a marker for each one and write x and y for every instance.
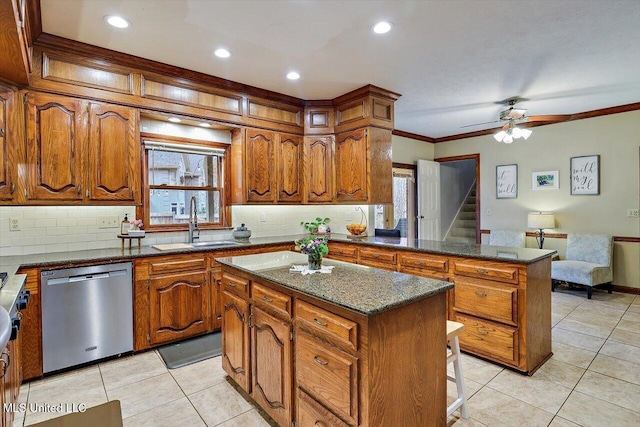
(511, 238)
(589, 262)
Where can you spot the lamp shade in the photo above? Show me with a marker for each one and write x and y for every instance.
(541, 220)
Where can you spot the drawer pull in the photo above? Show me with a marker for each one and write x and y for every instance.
(318, 424)
(233, 285)
(482, 271)
(267, 299)
(317, 322)
(483, 332)
(320, 361)
(481, 294)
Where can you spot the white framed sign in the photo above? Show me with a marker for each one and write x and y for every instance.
(585, 175)
(506, 181)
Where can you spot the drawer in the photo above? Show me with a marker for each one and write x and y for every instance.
(329, 375)
(486, 270)
(495, 302)
(339, 251)
(312, 414)
(387, 257)
(177, 263)
(326, 325)
(271, 298)
(235, 284)
(489, 339)
(413, 262)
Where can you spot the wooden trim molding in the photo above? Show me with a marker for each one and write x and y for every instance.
(413, 136)
(411, 166)
(570, 117)
(626, 289)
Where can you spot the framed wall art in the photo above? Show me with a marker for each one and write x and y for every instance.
(547, 180)
(585, 175)
(506, 181)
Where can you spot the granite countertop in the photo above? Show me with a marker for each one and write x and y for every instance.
(11, 290)
(366, 290)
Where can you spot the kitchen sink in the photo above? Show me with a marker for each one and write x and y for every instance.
(217, 244)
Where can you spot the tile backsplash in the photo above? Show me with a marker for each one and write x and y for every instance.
(45, 229)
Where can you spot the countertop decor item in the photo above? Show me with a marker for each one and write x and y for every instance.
(318, 226)
(241, 232)
(315, 247)
(357, 230)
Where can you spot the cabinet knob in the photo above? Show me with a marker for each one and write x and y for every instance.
(483, 332)
(13, 187)
(1, 131)
(481, 294)
(482, 271)
(267, 299)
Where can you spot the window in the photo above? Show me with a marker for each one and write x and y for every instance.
(177, 169)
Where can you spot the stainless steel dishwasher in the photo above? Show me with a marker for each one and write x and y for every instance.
(87, 314)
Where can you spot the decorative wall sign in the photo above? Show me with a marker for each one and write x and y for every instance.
(547, 180)
(585, 175)
(506, 181)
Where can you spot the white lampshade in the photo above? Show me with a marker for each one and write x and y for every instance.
(498, 136)
(541, 220)
(525, 133)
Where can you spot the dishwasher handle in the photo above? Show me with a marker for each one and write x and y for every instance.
(86, 277)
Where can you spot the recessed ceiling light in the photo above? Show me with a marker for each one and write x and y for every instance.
(382, 27)
(204, 125)
(117, 21)
(222, 53)
(174, 120)
(293, 75)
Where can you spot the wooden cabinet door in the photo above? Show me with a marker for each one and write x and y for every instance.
(351, 166)
(114, 153)
(7, 186)
(271, 365)
(289, 169)
(56, 134)
(319, 169)
(216, 306)
(31, 328)
(179, 306)
(235, 339)
(260, 165)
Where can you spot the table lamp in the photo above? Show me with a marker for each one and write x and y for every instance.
(540, 221)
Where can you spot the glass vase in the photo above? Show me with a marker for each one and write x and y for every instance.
(315, 261)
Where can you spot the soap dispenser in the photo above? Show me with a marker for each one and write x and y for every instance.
(125, 225)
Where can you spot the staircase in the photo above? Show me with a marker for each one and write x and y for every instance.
(464, 226)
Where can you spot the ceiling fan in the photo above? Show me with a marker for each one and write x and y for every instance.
(516, 116)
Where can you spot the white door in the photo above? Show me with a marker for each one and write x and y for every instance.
(428, 200)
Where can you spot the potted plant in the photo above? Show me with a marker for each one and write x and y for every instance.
(317, 226)
(315, 247)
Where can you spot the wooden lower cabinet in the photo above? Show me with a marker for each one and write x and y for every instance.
(342, 368)
(235, 339)
(30, 336)
(179, 306)
(10, 380)
(271, 377)
(172, 299)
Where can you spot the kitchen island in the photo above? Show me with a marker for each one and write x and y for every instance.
(358, 346)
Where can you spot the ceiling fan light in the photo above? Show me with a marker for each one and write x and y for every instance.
(516, 132)
(508, 139)
(525, 133)
(500, 135)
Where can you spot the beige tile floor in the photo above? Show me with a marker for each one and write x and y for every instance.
(593, 379)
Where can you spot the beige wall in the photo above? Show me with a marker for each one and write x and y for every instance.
(616, 138)
(406, 150)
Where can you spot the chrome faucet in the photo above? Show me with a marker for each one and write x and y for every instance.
(193, 220)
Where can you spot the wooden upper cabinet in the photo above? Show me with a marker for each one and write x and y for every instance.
(289, 169)
(114, 154)
(351, 166)
(319, 169)
(56, 133)
(7, 185)
(260, 165)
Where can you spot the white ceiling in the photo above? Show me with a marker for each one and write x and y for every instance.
(452, 61)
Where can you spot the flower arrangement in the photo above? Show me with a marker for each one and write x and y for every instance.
(137, 224)
(314, 245)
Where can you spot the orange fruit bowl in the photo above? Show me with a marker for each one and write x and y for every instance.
(356, 229)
